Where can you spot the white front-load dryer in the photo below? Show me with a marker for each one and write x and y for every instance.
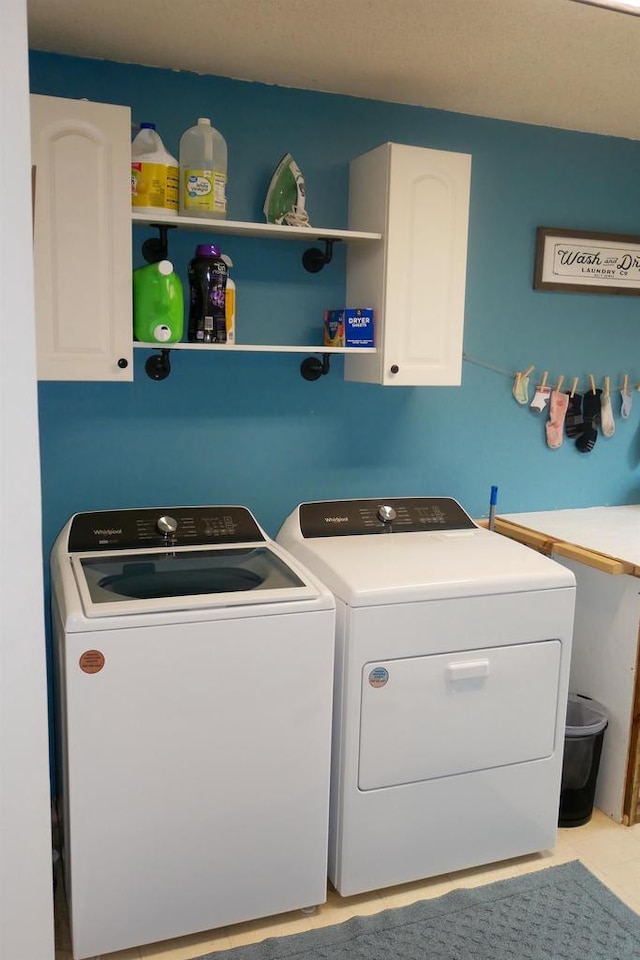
(452, 663)
(194, 688)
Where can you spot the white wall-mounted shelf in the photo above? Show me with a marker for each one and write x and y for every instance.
(271, 231)
(158, 366)
(250, 348)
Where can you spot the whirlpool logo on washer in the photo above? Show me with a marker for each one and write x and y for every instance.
(378, 677)
(336, 519)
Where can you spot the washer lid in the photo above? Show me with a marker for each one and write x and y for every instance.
(147, 582)
(156, 560)
(407, 567)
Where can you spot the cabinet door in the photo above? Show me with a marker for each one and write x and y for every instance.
(82, 239)
(415, 278)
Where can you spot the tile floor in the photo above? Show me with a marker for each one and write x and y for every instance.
(610, 851)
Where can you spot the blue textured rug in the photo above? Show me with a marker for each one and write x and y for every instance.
(561, 913)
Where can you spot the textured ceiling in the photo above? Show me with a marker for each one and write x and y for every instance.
(558, 63)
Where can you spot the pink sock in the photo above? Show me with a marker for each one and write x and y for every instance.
(557, 411)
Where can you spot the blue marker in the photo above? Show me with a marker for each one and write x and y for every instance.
(492, 507)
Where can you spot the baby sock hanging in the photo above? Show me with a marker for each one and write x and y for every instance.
(590, 411)
(574, 421)
(541, 395)
(606, 412)
(557, 412)
(520, 388)
(625, 409)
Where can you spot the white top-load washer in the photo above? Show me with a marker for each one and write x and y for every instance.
(452, 662)
(194, 688)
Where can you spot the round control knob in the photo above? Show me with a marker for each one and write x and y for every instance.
(167, 525)
(395, 368)
(386, 514)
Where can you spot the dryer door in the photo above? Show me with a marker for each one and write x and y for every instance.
(447, 714)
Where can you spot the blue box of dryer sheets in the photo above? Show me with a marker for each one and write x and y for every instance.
(349, 327)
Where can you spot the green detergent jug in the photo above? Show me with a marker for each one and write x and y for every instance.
(158, 303)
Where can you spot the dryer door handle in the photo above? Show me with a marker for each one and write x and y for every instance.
(467, 670)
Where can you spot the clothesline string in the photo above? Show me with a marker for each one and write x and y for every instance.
(510, 374)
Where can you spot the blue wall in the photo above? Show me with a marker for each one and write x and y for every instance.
(246, 428)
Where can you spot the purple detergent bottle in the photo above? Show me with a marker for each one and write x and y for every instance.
(207, 282)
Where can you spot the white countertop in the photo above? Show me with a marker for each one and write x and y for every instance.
(614, 531)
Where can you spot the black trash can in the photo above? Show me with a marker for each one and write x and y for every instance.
(586, 723)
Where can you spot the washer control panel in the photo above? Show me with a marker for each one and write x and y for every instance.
(348, 518)
(157, 527)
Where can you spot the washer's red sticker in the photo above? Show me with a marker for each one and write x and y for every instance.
(91, 661)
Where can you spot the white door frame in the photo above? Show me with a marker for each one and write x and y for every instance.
(26, 897)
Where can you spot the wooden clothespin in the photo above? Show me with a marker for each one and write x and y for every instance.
(574, 387)
(528, 371)
(544, 379)
(607, 387)
(625, 383)
(592, 383)
(559, 384)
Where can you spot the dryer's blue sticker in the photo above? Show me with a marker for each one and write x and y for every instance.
(378, 677)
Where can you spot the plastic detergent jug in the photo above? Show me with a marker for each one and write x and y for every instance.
(207, 301)
(158, 303)
(203, 171)
(154, 173)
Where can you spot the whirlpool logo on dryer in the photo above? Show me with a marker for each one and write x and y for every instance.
(336, 519)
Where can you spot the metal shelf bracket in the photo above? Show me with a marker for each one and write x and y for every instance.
(314, 259)
(158, 365)
(312, 368)
(155, 249)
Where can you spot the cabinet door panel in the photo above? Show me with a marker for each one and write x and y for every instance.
(82, 239)
(416, 283)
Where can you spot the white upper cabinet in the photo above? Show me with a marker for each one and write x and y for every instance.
(415, 277)
(82, 239)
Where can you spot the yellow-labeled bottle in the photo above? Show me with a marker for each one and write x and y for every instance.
(203, 172)
(229, 303)
(154, 174)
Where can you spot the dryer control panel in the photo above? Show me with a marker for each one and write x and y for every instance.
(349, 518)
(156, 527)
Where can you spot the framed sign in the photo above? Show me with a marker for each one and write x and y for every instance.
(587, 262)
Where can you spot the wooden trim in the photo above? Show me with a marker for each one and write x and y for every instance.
(548, 544)
(592, 559)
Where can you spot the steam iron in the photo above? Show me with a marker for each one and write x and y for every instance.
(285, 199)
